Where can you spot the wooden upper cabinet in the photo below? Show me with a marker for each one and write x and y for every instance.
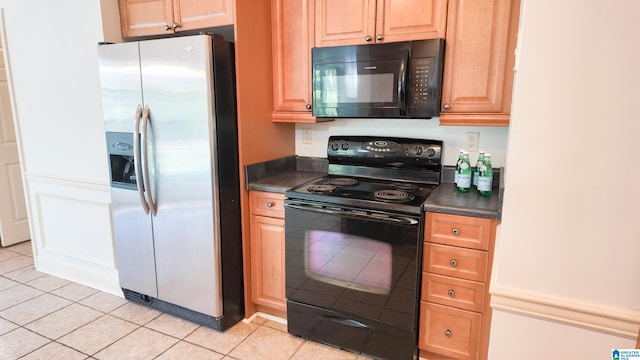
(159, 17)
(145, 17)
(353, 22)
(198, 14)
(479, 60)
(403, 20)
(292, 31)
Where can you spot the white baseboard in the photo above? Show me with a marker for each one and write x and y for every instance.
(81, 272)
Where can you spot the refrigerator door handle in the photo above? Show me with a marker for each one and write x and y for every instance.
(145, 161)
(136, 159)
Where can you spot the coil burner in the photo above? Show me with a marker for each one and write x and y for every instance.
(405, 187)
(321, 188)
(341, 181)
(393, 195)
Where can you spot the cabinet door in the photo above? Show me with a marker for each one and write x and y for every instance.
(448, 331)
(145, 17)
(197, 14)
(292, 23)
(404, 20)
(344, 22)
(455, 262)
(267, 262)
(464, 231)
(478, 73)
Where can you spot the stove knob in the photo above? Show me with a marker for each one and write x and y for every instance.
(418, 150)
(335, 146)
(345, 146)
(431, 152)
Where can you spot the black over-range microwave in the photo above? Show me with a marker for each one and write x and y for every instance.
(391, 80)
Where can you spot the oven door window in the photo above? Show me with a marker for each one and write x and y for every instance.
(348, 261)
(359, 89)
(352, 265)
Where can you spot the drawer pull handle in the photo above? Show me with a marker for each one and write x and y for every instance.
(448, 333)
(453, 262)
(269, 204)
(455, 231)
(451, 293)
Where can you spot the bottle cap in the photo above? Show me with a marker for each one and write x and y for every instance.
(487, 155)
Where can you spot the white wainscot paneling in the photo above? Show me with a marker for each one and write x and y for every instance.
(72, 236)
(577, 313)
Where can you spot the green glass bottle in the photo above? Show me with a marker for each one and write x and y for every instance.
(457, 173)
(464, 176)
(476, 173)
(485, 180)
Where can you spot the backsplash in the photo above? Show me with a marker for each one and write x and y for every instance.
(492, 139)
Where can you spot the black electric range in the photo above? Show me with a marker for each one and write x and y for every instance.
(353, 242)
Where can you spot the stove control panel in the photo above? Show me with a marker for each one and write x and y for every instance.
(384, 151)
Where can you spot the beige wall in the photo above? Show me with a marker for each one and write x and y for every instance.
(569, 242)
(52, 48)
(492, 139)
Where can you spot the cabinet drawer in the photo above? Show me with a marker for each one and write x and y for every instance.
(447, 331)
(267, 204)
(445, 290)
(464, 231)
(457, 262)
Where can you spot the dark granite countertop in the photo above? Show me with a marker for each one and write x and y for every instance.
(284, 180)
(279, 175)
(445, 198)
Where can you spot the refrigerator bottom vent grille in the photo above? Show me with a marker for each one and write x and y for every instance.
(176, 310)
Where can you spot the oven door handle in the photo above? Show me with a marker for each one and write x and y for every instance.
(401, 220)
(346, 322)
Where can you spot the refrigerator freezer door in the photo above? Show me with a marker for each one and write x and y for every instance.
(120, 83)
(134, 243)
(121, 95)
(177, 83)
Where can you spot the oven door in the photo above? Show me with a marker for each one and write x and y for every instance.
(352, 277)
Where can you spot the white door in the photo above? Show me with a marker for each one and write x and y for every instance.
(14, 224)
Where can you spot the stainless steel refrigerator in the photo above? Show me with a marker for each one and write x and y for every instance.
(170, 120)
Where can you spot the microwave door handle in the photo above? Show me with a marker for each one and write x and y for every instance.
(136, 159)
(402, 80)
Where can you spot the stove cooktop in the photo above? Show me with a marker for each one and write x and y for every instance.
(376, 173)
(364, 193)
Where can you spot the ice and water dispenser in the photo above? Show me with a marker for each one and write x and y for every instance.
(120, 150)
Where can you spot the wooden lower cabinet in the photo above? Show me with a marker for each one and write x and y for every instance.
(455, 316)
(449, 331)
(267, 252)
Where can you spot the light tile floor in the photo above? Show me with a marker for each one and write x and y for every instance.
(48, 318)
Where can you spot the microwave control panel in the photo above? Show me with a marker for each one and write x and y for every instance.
(420, 70)
(421, 90)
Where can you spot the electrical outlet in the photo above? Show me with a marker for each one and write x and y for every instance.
(306, 136)
(473, 138)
